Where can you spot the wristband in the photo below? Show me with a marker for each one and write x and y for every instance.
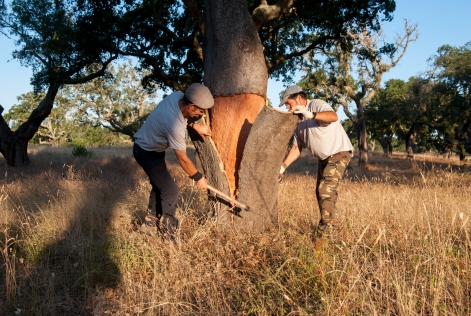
(314, 114)
(197, 176)
(284, 165)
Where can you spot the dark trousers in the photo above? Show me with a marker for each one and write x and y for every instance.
(164, 194)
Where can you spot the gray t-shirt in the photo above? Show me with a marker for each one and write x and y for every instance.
(165, 127)
(321, 138)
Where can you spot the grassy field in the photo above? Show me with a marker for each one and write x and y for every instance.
(70, 245)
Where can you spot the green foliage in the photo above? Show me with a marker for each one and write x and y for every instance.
(168, 37)
(116, 101)
(51, 39)
(452, 68)
(81, 151)
(88, 135)
(95, 113)
(314, 24)
(58, 40)
(349, 129)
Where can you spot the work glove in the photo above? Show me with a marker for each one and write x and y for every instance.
(282, 170)
(302, 110)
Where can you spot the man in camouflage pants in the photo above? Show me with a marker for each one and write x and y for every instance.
(320, 130)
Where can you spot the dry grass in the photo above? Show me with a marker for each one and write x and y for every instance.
(70, 247)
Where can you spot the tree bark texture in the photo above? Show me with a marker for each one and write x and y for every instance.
(14, 144)
(212, 166)
(363, 145)
(259, 171)
(233, 53)
(237, 76)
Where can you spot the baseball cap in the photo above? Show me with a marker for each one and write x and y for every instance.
(200, 96)
(289, 91)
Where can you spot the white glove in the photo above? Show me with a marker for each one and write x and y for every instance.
(282, 169)
(300, 109)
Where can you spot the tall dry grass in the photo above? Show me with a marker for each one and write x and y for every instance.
(70, 246)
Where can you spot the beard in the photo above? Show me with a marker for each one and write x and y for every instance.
(195, 118)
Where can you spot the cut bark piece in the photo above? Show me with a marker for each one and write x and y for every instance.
(231, 120)
(208, 157)
(259, 170)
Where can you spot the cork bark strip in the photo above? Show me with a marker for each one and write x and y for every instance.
(209, 159)
(264, 152)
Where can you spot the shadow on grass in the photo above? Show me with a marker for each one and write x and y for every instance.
(50, 271)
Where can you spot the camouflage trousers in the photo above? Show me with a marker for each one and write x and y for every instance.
(329, 173)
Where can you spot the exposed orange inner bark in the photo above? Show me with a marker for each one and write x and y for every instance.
(231, 120)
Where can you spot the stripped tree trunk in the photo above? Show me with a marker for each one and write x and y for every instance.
(232, 47)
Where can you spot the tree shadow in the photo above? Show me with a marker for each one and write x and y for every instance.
(61, 270)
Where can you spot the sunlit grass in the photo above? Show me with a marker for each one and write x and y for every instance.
(70, 244)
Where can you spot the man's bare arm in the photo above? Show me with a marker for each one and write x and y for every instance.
(188, 166)
(293, 154)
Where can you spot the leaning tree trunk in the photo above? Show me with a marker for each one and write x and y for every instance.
(14, 144)
(237, 76)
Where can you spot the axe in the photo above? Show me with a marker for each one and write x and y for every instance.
(229, 199)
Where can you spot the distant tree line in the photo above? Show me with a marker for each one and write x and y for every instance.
(429, 112)
(104, 111)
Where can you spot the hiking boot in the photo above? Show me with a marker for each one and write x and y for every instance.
(324, 231)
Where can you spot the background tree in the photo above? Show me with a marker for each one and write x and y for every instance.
(452, 66)
(382, 113)
(353, 70)
(52, 42)
(116, 101)
(53, 130)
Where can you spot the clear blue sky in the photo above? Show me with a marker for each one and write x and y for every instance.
(438, 22)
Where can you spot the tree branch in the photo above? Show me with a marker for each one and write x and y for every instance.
(265, 13)
(196, 13)
(161, 75)
(92, 76)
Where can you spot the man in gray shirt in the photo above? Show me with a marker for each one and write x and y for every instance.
(319, 129)
(166, 127)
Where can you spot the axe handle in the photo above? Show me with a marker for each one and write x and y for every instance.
(229, 199)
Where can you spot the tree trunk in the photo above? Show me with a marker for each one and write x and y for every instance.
(362, 136)
(14, 144)
(236, 74)
(411, 141)
(363, 145)
(373, 145)
(385, 143)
